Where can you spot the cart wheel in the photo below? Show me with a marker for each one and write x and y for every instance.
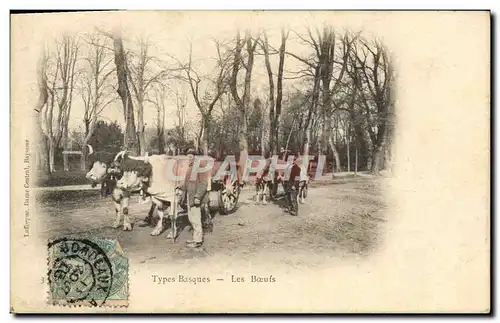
(228, 196)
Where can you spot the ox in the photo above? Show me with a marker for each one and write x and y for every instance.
(125, 187)
(292, 174)
(102, 170)
(106, 169)
(263, 183)
(161, 176)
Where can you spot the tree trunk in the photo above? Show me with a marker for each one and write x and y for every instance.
(369, 161)
(326, 114)
(206, 135)
(388, 161)
(50, 134)
(312, 110)
(65, 138)
(41, 162)
(52, 150)
(140, 128)
(161, 130)
(263, 135)
(83, 160)
(279, 94)
(369, 152)
(379, 150)
(388, 155)
(356, 162)
(348, 149)
(307, 142)
(242, 134)
(242, 103)
(323, 141)
(377, 164)
(90, 127)
(161, 143)
(380, 145)
(362, 144)
(287, 144)
(335, 152)
(272, 126)
(336, 158)
(130, 139)
(199, 136)
(65, 141)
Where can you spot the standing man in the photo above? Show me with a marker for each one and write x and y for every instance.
(197, 196)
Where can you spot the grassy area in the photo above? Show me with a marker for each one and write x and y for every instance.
(62, 178)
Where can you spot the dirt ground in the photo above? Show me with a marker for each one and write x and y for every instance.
(341, 218)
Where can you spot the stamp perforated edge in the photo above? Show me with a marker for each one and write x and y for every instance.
(112, 303)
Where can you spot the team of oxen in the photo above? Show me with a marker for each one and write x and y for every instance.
(159, 179)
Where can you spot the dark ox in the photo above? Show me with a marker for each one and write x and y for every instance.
(106, 169)
(263, 183)
(135, 175)
(291, 173)
(101, 170)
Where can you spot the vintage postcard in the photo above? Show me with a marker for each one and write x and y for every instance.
(250, 162)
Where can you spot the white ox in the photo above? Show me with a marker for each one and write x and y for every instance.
(163, 179)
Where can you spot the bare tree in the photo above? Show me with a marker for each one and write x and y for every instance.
(265, 133)
(226, 127)
(272, 140)
(60, 94)
(374, 79)
(96, 92)
(141, 78)
(180, 112)
(311, 71)
(327, 59)
(242, 102)
(41, 159)
(326, 44)
(279, 93)
(323, 94)
(158, 99)
(66, 115)
(130, 139)
(206, 102)
(356, 109)
(312, 111)
(275, 106)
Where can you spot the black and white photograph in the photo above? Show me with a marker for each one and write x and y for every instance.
(250, 161)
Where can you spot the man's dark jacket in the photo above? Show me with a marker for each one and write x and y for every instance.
(196, 188)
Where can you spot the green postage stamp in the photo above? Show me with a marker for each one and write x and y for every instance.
(87, 271)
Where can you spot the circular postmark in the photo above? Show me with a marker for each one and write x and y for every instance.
(79, 271)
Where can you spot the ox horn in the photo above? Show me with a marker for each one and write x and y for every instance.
(120, 155)
(91, 150)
